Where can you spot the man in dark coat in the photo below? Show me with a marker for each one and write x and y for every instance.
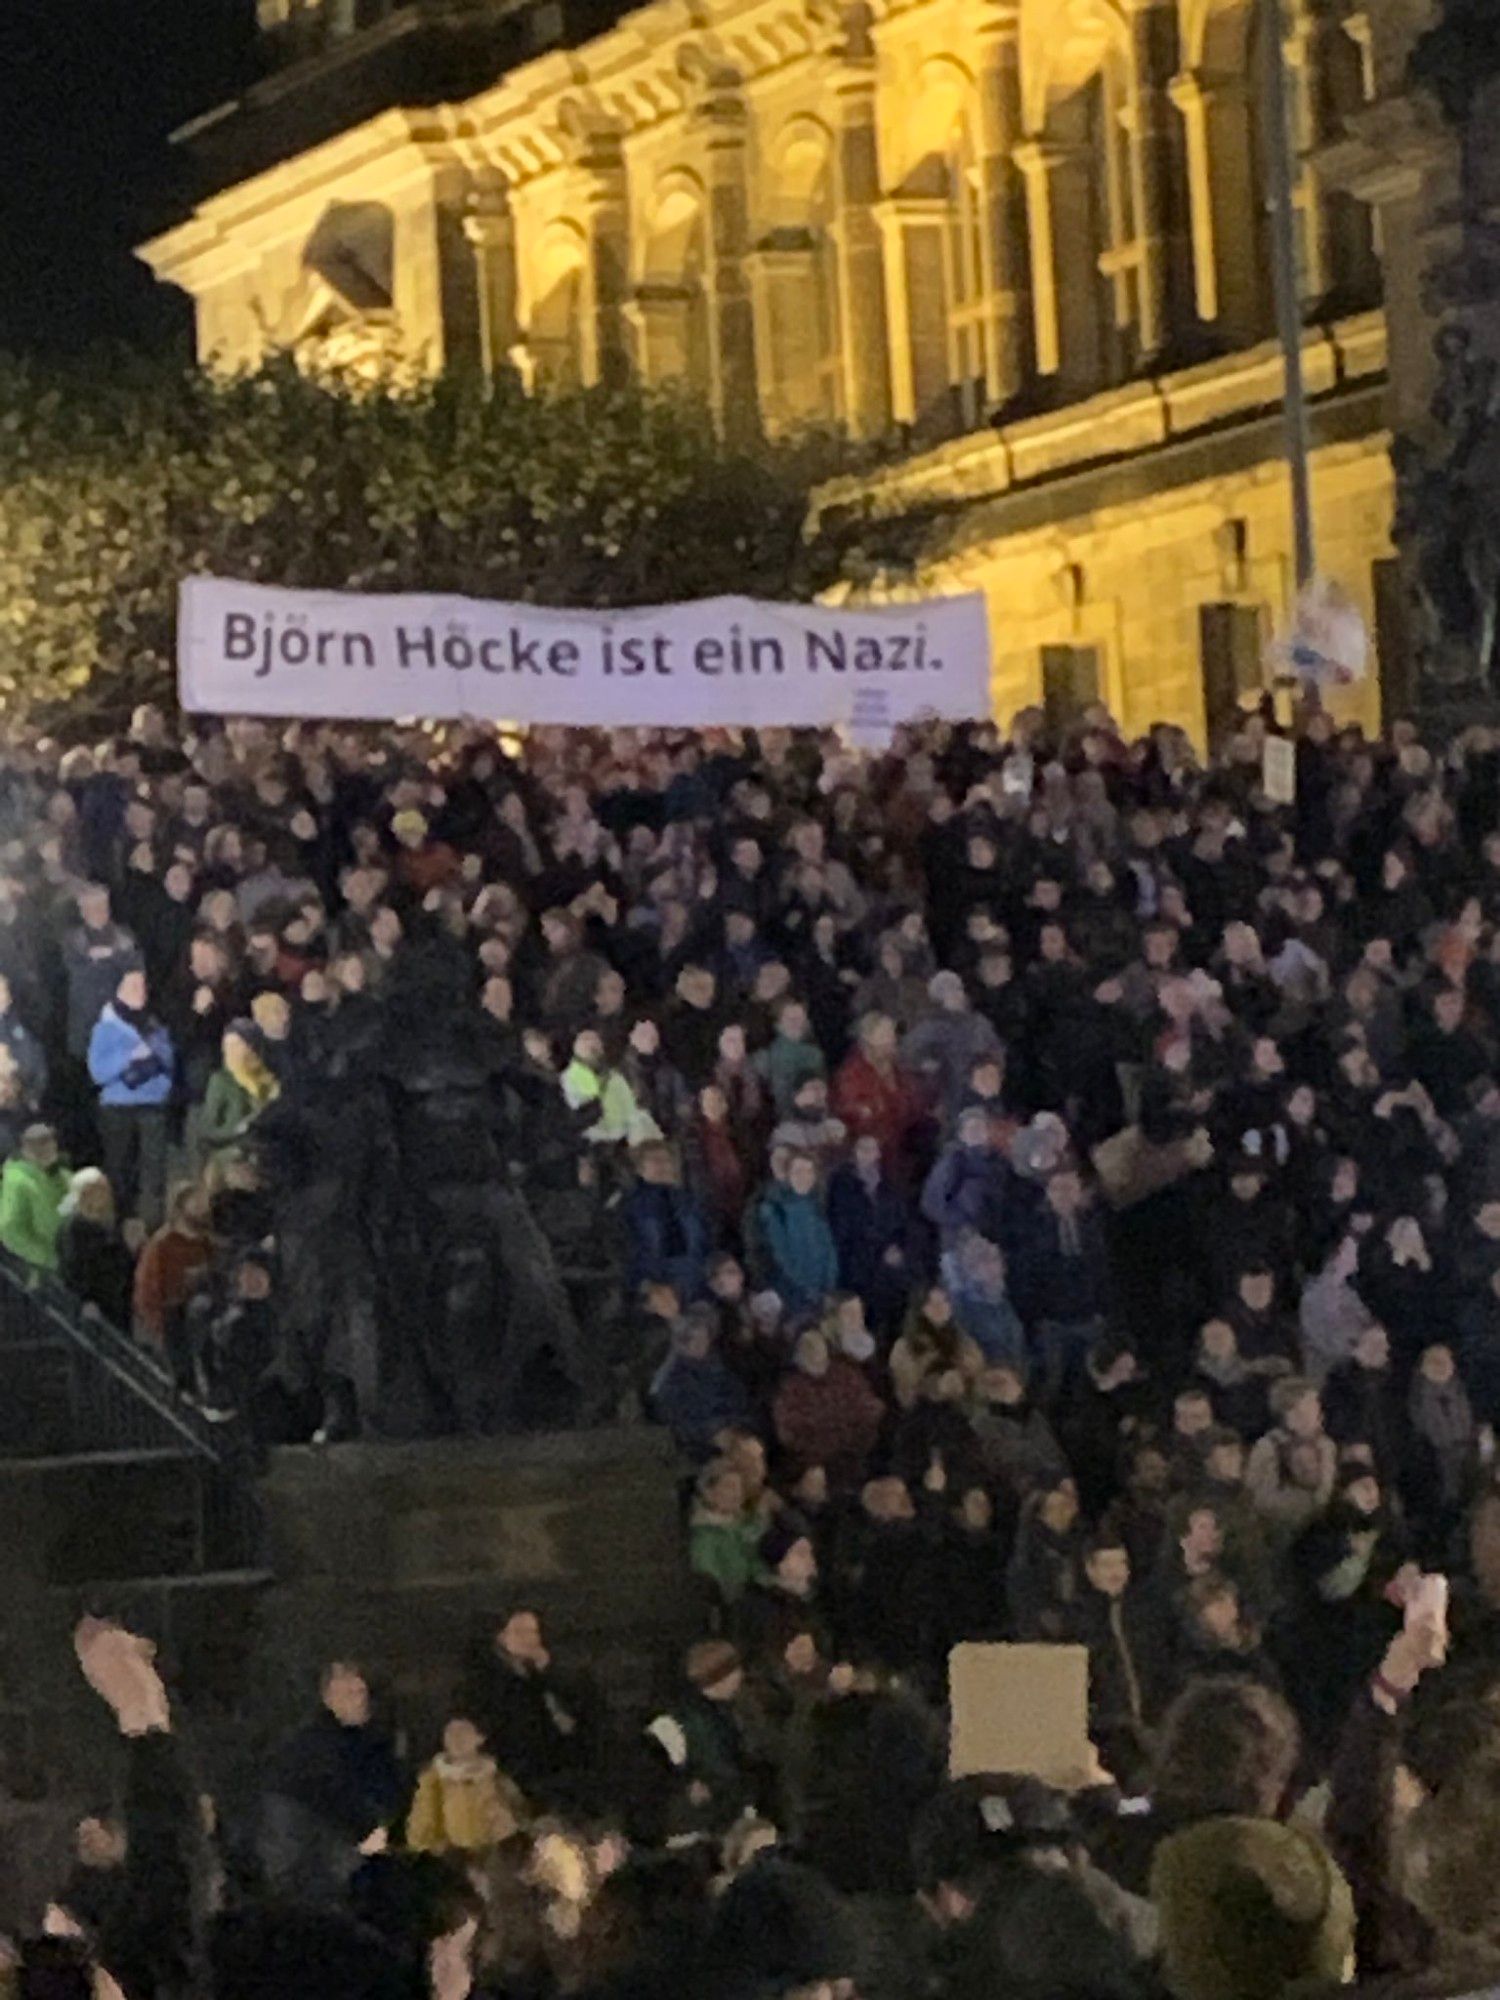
(334, 1789)
(1126, 1669)
(872, 1231)
(1362, 1402)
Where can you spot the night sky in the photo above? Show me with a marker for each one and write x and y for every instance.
(89, 90)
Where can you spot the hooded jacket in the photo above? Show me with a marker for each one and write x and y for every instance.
(786, 1066)
(697, 1398)
(799, 1246)
(726, 1550)
(967, 1189)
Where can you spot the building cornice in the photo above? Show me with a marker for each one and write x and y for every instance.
(400, 143)
(1118, 425)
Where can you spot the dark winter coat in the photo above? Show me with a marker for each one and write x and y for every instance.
(96, 1267)
(871, 1762)
(868, 1223)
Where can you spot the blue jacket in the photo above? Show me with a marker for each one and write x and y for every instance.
(698, 1399)
(799, 1247)
(967, 1189)
(133, 1070)
(669, 1239)
(988, 1318)
(92, 981)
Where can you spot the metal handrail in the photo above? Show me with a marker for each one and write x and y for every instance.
(92, 1338)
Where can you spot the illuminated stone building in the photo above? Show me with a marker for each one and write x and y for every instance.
(1019, 243)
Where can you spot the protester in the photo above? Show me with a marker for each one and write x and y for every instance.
(33, 1187)
(539, 1725)
(171, 1264)
(464, 1802)
(132, 1061)
(331, 1794)
(93, 1259)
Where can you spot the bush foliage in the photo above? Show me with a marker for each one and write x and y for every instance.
(117, 482)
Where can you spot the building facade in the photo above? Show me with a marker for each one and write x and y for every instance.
(1021, 243)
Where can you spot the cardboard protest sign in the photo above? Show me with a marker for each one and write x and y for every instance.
(1022, 1709)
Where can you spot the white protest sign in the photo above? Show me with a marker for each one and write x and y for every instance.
(1328, 642)
(249, 649)
(1278, 770)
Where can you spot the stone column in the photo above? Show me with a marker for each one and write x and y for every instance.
(601, 210)
(1223, 196)
(432, 267)
(1038, 161)
(491, 236)
(793, 354)
(731, 324)
(1003, 238)
(1360, 30)
(1153, 37)
(864, 346)
(1303, 50)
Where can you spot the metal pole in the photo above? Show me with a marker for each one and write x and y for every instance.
(1280, 185)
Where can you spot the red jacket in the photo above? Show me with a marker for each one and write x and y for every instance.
(831, 1420)
(164, 1278)
(890, 1106)
(721, 1182)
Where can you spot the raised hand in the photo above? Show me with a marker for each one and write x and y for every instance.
(121, 1669)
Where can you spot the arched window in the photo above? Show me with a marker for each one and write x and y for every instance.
(668, 312)
(794, 284)
(553, 350)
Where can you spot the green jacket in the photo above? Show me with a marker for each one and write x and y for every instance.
(786, 1066)
(31, 1200)
(227, 1111)
(726, 1552)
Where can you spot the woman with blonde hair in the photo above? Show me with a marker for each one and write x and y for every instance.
(238, 1091)
(93, 1259)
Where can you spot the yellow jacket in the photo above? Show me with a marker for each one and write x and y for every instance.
(468, 1806)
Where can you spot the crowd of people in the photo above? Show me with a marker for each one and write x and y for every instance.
(1048, 1190)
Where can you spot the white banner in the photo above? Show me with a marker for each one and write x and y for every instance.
(247, 649)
